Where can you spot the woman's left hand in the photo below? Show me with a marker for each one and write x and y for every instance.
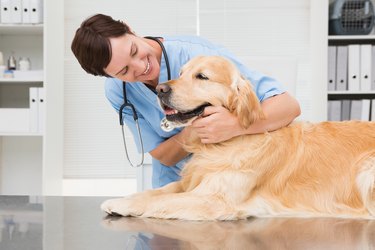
(217, 124)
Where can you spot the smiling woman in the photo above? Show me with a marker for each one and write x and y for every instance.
(109, 48)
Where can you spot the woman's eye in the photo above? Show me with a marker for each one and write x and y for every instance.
(201, 76)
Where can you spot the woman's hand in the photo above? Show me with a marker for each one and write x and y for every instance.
(216, 125)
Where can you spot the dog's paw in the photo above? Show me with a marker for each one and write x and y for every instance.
(119, 207)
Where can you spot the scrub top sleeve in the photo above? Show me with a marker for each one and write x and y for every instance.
(113, 92)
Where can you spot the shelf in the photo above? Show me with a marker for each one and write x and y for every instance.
(21, 29)
(361, 37)
(351, 92)
(20, 81)
(20, 134)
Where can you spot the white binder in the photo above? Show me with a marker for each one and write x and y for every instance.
(332, 67)
(36, 14)
(41, 109)
(345, 110)
(356, 110)
(342, 68)
(33, 117)
(354, 67)
(373, 110)
(16, 11)
(334, 110)
(366, 71)
(365, 114)
(26, 11)
(373, 69)
(5, 14)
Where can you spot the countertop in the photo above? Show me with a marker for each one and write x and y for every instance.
(77, 223)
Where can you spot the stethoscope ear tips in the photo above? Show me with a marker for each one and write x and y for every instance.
(166, 125)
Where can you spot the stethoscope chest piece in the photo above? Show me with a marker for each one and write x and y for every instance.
(166, 125)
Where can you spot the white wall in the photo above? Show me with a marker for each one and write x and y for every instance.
(93, 146)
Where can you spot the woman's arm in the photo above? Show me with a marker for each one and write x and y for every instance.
(219, 125)
(170, 152)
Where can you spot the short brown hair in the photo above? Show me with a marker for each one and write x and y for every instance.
(91, 44)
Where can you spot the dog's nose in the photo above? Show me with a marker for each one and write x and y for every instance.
(163, 89)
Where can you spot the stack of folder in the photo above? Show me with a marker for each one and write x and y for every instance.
(351, 68)
(21, 11)
(342, 110)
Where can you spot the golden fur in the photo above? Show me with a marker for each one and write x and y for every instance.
(304, 169)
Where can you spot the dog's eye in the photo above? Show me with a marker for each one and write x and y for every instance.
(201, 76)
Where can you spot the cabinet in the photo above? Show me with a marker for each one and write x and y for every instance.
(21, 112)
(31, 162)
(351, 77)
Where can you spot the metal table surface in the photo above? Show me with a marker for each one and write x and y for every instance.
(77, 223)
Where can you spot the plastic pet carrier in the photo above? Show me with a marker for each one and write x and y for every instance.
(351, 17)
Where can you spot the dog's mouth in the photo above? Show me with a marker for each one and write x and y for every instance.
(175, 115)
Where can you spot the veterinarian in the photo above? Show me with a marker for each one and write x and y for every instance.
(105, 47)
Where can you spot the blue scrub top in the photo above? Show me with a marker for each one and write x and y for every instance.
(180, 49)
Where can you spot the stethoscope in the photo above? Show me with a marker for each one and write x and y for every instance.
(164, 124)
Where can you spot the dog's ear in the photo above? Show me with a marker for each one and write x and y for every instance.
(244, 103)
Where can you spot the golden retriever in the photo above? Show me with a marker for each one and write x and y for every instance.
(303, 170)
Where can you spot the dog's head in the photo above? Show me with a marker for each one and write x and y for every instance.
(205, 81)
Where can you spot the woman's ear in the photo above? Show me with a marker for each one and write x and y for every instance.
(244, 103)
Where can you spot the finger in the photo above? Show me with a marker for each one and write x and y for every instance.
(206, 140)
(210, 110)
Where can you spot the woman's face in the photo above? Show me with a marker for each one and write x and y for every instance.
(134, 59)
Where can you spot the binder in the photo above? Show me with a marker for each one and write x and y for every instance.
(16, 11)
(5, 11)
(36, 14)
(356, 110)
(334, 110)
(332, 67)
(41, 109)
(345, 110)
(366, 71)
(365, 114)
(26, 11)
(354, 67)
(342, 68)
(373, 110)
(373, 68)
(33, 117)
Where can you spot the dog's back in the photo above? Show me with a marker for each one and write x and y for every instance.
(324, 168)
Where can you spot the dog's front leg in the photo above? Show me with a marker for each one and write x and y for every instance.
(190, 206)
(135, 204)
